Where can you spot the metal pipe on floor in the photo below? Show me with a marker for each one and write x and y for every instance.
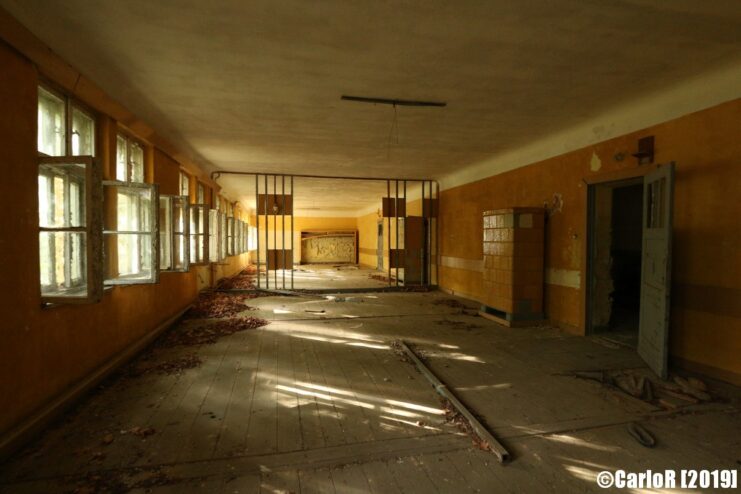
(494, 445)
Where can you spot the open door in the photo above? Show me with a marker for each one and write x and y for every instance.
(656, 268)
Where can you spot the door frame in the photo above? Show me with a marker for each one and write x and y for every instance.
(586, 261)
(591, 242)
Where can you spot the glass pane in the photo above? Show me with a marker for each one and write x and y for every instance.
(184, 184)
(121, 162)
(213, 234)
(61, 195)
(51, 124)
(201, 195)
(165, 233)
(83, 134)
(128, 257)
(137, 163)
(127, 209)
(180, 252)
(62, 263)
(179, 208)
(222, 236)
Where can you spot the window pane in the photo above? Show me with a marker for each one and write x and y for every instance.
(201, 195)
(61, 195)
(197, 233)
(180, 261)
(165, 233)
(137, 163)
(133, 261)
(62, 262)
(83, 134)
(184, 184)
(128, 233)
(51, 124)
(121, 162)
(213, 234)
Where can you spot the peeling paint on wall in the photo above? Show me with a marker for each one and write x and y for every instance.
(570, 278)
(595, 163)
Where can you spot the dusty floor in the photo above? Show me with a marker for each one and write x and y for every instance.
(318, 401)
(327, 276)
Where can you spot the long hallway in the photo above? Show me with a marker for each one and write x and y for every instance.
(319, 400)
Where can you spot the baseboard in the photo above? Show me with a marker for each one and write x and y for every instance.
(707, 370)
(467, 296)
(27, 429)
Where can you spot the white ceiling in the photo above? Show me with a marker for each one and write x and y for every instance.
(256, 86)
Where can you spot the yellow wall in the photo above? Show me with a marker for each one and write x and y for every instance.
(45, 351)
(299, 224)
(706, 291)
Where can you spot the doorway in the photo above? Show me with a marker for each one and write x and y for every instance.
(615, 242)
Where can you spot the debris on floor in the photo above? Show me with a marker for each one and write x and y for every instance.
(346, 267)
(209, 333)
(640, 434)
(453, 416)
(457, 324)
(379, 277)
(636, 383)
(450, 302)
(244, 280)
(178, 365)
(217, 305)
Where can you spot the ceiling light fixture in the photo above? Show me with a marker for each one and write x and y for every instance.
(394, 102)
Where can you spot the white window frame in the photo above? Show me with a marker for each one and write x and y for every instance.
(153, 234)
(196, 236)
(173, 233)
(184, 184)
(129, 143)
(93, 288)
(231, 225)
(214, 236)
(70, 105)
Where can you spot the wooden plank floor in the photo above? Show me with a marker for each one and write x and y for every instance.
(318, 401)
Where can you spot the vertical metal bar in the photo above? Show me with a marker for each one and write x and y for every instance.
(275, 228)
(283, 227)
(388, 231)
(428, 230)
(257, 225)
(396, 225)
(267, 239)
(292, 258)
(437, 234)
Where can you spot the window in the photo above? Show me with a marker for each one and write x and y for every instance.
(200, 194)
(184, 184)
(239, 242)
(130, 233)
(198, 229)
(214, 235)
(68, 229)
(173, 228)
(252, 240)
(64, 128)
(230, 236)
(223, 250)
(129, 160)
